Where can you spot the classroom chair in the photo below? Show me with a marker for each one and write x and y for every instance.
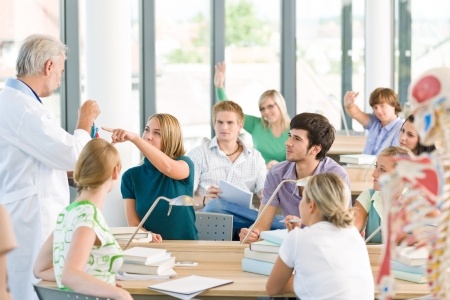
(49, 293)
(214, 226)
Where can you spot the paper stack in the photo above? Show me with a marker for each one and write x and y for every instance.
(150, 261)
(261, 255)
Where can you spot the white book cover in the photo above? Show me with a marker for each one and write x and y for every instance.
(259, 255)
(188, 287)
(123, 233)
(232, 193)
(412, 256)
(358, 159)
(264, 246)
(142, 254)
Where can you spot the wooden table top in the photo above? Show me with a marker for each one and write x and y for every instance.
(221, 259)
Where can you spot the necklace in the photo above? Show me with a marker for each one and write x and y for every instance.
(238, 146)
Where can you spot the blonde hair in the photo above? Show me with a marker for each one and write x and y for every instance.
(385, 95)
(228, 105)
(331, 195)
(96, 164)
(280, 102)
(171, 135)
(396, 151)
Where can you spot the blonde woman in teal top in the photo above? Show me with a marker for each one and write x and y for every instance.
(270, 131)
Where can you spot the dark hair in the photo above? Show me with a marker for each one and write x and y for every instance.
(420, 148)
(320, 131)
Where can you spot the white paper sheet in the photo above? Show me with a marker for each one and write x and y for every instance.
(234, 194)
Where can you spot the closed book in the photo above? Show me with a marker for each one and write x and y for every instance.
(256, 266)
(412, 256)
(125, 233)
(417, 278)
(143, 254)
(258, 255)
(275, 236)
(264, 246)
(357, 159)
(140, 268)
(399, 266)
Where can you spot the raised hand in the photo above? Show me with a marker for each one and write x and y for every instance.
(349, 98)
(219, 74)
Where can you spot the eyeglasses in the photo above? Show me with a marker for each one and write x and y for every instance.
(268, 107)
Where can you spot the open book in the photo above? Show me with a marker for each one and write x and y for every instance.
(234, 194)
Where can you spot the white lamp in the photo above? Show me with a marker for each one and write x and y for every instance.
(299, 182)
(178, 201)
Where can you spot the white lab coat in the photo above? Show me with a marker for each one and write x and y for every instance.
(35, 154)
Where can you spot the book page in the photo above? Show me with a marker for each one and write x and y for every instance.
(234, 194)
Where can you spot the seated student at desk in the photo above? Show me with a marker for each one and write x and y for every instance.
(82, 254)
(227, 158)
(328, 256)
(383, 124)
(164, 171)
(369, 205)
(409, 138)
(310, 137)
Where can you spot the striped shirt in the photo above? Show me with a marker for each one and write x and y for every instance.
(247, 172)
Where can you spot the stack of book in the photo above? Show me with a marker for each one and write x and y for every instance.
(409, 264)
(143, 260)
(260, 256)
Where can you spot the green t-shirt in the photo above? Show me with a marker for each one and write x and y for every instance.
(271, 147)
(104, 260)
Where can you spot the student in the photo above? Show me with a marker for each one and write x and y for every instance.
(369, 205)
(310, 137)
(270, 131)
(328, 256)
(383, 124)
(82, 254)
(165, 171)
(409, 138)
(8, 244)
(227, 158)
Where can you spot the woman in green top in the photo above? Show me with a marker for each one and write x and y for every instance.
(270, 131)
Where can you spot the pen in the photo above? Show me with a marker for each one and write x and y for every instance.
(294, 220)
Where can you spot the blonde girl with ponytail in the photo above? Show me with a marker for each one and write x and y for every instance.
(327, 256)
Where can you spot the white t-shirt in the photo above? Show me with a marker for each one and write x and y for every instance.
(329, 263)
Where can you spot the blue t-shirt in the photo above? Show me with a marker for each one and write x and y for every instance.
(380, 137)
(145, 184)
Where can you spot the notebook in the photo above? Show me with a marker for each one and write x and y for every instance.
(188, 287)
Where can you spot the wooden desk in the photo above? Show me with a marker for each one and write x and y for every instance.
(344, 144)
(223, 260)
